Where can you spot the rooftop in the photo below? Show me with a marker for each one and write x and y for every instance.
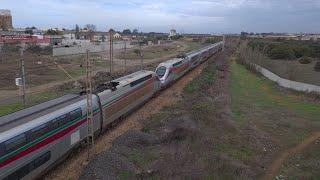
(5, 12)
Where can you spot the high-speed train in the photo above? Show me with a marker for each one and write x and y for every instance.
(34, 139)
(173, 69)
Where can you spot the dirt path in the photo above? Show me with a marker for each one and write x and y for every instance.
(276, 165)
(72, 167)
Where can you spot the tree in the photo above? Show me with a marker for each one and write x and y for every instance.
(28, 30)
(243, 35)
(77, 32)
(52, 32)
(135, 31)
(4, 28)
(126, 31)
(103, 38)
(91, 27)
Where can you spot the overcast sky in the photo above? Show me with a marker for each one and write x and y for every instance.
(202, 16)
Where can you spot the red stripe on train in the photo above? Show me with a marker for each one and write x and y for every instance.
(42, 143)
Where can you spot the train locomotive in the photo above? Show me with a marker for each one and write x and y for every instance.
(173, 69)
(34, 139)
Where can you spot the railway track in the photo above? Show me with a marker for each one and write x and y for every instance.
(72, 167)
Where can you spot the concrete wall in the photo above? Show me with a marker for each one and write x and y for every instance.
(61, 51)
(298, 86)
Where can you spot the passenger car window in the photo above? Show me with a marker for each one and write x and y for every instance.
(140, 80)
(39, 131)
(15, 143)
(176, 64)
(26, 169)
(42, 159)
(75, 114)
(59, 121)
(2, 149)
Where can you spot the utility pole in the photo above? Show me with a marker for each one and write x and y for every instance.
(23, 75)
(224, 41)
(141, 56)
(90, 137)
(111, 51)
(125, 56)
(0, 54)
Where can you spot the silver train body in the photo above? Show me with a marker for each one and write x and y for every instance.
(34, 139)
(173, 69)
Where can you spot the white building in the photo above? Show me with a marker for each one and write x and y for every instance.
(116, 36)
(173, 32)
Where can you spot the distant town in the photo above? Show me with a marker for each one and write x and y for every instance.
(88, 34)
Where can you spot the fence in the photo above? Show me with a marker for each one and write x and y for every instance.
(298, 86)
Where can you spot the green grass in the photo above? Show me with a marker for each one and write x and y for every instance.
(6, 109)
(143, 159)
(126, 175)
(287, 117)
(205, 80)
(32, 99)
(248, 88)
(303, 165)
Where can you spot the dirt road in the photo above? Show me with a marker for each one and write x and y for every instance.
(72, 167)
(276, 165)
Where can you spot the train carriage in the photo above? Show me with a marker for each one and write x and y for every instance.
(127, 93)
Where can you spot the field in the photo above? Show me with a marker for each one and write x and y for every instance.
(157, 51)
(293, 70)
(286, 119)
(284, 58)
(46, 80)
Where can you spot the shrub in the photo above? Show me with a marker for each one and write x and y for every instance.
(34, 49)
(317, 66)
(305, 60)
(10, 48)
(302, 50)
(136, 51)
(281, 52)
(47, 50)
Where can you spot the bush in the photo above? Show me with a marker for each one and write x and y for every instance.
(34, 49)
(47, 50)
(317, 66)
(281, 52)
(136, 51)
(305, 60)
(10, 48)
(302, 50)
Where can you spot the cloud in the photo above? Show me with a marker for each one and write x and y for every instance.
(204, 16)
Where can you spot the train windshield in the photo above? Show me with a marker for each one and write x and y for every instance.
(161, 71)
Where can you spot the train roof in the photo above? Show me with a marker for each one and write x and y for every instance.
(132, 77)
(170, 62)
(122, 81)
(25, 115)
